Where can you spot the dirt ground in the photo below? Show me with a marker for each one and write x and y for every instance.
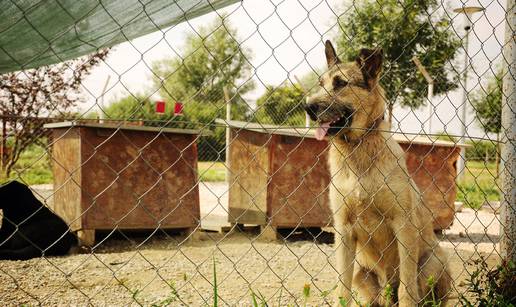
(162, 268)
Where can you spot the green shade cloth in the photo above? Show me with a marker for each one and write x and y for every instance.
(41, 32)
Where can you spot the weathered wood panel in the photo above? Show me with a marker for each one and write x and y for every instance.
(249, 154)
(67, 176)
(298, 190)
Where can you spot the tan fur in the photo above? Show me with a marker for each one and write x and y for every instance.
(383, 231)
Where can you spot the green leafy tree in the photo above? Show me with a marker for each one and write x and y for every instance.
(134, 107)
(487, 103)
(213, 60)
(403, 29)
(281, 105)
(139, 107)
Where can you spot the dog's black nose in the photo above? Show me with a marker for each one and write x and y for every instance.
(311, 109)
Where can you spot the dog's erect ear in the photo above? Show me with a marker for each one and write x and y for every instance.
(331, 55)
(370, 62)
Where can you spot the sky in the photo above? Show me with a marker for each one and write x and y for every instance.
(286, 40)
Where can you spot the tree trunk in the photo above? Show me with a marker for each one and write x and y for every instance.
(8, 167)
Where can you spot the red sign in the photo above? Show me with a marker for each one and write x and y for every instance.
(178, 108)
(160, 106)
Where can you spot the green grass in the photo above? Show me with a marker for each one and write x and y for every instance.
(478, 185)
(211, 171)
(33, 167)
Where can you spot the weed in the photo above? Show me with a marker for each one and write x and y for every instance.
(263, 302)
(490, 287)
(172, 297)
(306, 293)
(388, 294)
(215, 286)
(343, 302)
(431, 301)
(326, 293)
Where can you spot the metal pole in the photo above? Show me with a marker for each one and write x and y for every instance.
(508, 155)
(430, 92)
(101, 105)
(228, 131)
(430, 106)
(462, 159)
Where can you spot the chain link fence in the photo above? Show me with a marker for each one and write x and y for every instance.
(257, 153)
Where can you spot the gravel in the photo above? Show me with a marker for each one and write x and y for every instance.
(169, 269)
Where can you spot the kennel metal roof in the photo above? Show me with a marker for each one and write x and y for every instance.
(310, 133)
(35, 33)
(122, 126)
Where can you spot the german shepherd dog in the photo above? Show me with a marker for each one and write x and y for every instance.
(383, 230)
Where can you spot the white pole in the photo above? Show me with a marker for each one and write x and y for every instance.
(508, 158)
(101, 105)
(461, 164)
(430, 106)
(468, 13)
(430, 93)
(228, 132)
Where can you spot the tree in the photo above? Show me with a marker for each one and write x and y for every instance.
(138, 107)
(213, 60)
(403, 29)
(30, 98)
(487, 103)
(132, 107)
(281, 105)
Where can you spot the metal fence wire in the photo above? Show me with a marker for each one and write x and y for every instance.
(263, 153)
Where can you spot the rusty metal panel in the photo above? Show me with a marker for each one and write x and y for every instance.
(298, 191)
(106, 178)
(67, 176)
(137, 179)
(249, 174)
(434, 170)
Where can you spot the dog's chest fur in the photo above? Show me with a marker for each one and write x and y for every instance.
(362, 181)
(365, 172)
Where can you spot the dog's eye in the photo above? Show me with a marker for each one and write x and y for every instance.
(339, 83)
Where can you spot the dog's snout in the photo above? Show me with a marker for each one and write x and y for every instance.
(311, 109)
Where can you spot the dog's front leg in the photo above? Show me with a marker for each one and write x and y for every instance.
(405, 233)
(345, 244)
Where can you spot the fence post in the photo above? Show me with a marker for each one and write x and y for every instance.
(508, 167)
(228, 132)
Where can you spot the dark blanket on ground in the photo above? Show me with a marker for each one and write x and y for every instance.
(29, 229)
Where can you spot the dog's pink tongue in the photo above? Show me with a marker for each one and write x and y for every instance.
(320, 132)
